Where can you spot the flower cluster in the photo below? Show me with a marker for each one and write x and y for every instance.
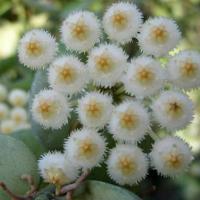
(145, 99)
(13, 113)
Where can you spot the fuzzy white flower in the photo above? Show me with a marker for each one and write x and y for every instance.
(50, 109)
(68, 75)
(85, 148)
(18, 97)
(7, 126)
(3, 92)
(4, 111)
(56, 169)
(95, 109)
(80, 31)
(18, 115)
(129, 122)
(144, 77)
(171, 156)
(173, 110)
(127, 164)
(158, 36)
(122, 21)
(184, 69)
(37, 49)
(106, 64)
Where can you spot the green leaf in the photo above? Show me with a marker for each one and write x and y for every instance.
(96, 190)
(50, 139)
(30, 141)
(16, 160)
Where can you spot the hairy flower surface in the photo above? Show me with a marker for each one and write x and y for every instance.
(127, 164)
(144, 77)
(50, 109)
(37, 48)
(80, 31)
(18, 98)
(7, 126)
(173, 110)
(95, 109)
(106, 64)
(55, 169)
(68, 75)
(129, 122)
(85, 148)
(18, 115)
(171, 156)
(122, 21)
(158, 36)
(184, 69)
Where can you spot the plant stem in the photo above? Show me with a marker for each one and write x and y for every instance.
(153, 135)
(68, 189)
(30, 194)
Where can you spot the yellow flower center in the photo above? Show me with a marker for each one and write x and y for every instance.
(94, 109)
(119, 20)
(34, 48)
(56, 176)
(67, 74)
(46, 109)
(128, 120)
(80, 30)
(126, 165)
(159, 34)
(87, 148)
(188, 69)
(18, 119)
(104, 64)
(145, 76)
(174, 160)
(174, 109)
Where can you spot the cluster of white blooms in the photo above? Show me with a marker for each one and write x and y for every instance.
(13, 113)
(142, 82)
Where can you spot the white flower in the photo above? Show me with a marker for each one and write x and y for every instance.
(7, 126)
(158, 36)
(144, 77)
(184, 69)
(68, 75)
(50, 109)
(56, 169)
(3, 92)
(18, 115)
(4, 111)
(171, 156)
(23, 126)
(18, 97)
(37, 49)
(129, 122)
(95, 109)
(85, 148)
(122, 21)
(106, 64)
(173, 110)
(80, 31)
(127, 164)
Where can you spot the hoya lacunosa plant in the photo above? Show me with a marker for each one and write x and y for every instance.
(109, 91)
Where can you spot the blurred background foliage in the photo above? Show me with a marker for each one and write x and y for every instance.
(18, 16)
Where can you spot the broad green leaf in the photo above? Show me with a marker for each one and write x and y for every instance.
(30, 140)
(16, 160)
